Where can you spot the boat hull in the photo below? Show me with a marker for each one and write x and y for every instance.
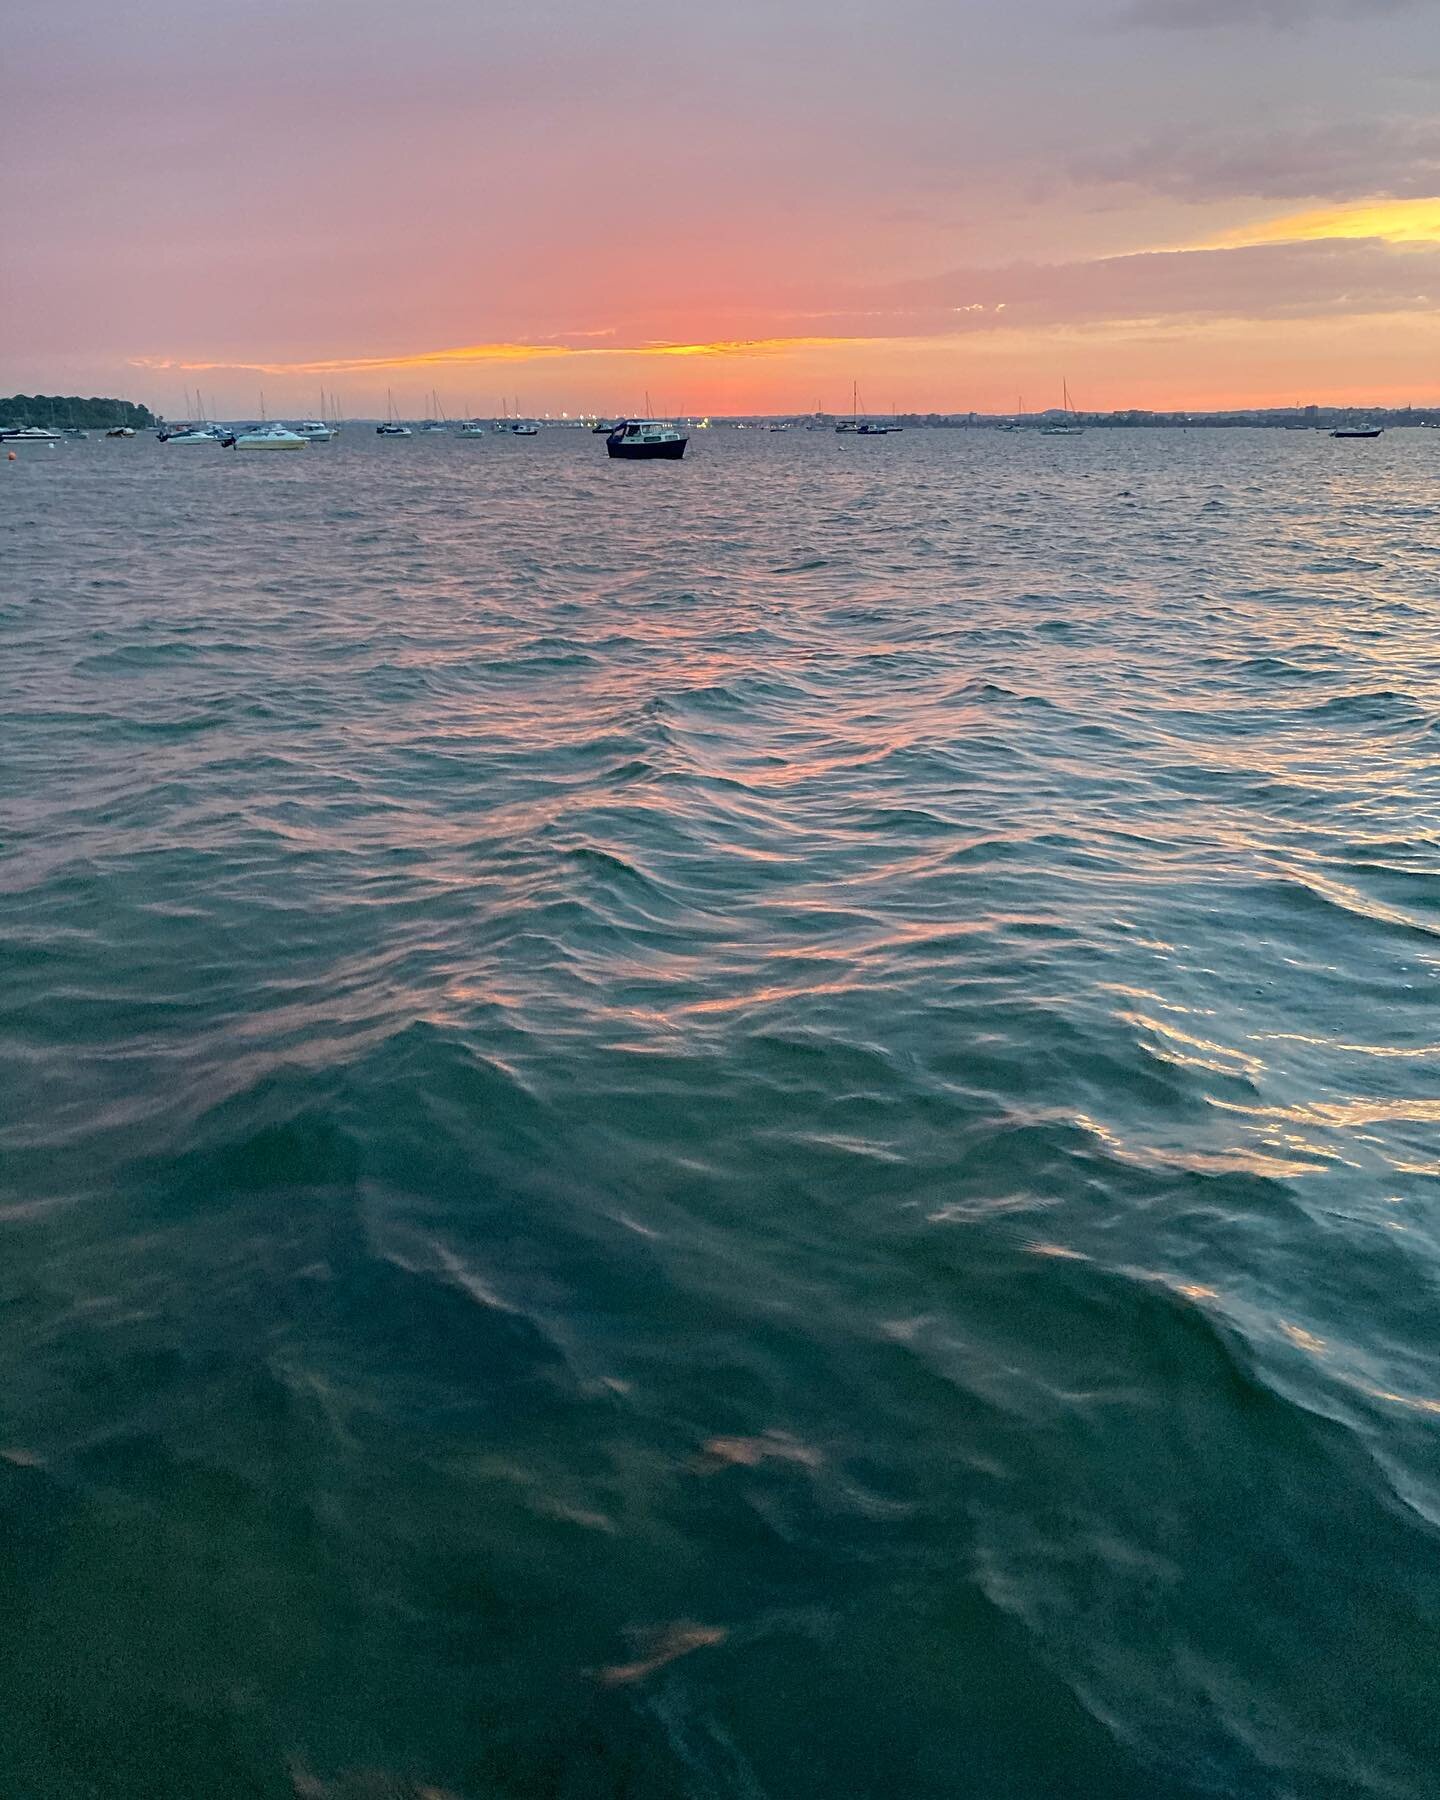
(269, 444)
(667, 450)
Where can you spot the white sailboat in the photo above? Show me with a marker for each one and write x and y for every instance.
(392, 426)
(1066, 427)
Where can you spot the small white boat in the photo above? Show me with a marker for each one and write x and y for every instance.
(121, 431)
(190, 434)
(267, 437)
(472, 428)
(314, 431)
(30, 434)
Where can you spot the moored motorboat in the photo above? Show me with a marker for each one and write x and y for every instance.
(646, 440)
(266, 437)
(1358, 431)
(121, 431)
(314, 431)
(29, 434)
(472, 428)
(189, 434)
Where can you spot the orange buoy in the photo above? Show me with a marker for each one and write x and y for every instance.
(10, 457)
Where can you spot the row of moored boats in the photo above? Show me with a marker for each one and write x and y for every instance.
(626, 439)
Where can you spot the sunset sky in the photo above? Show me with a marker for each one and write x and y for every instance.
(735, 206)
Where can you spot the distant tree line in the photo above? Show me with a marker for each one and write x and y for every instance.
(59, 410)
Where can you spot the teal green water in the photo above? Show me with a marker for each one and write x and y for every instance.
(765, 1127)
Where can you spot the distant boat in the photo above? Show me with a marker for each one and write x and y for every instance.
(1066, 427)
(860, 427)
(392, 426)
(512, 424)
(314, 431)
(472, 428)
(121, 431)
(646, 440)
(29, 434)
(190, 434)
(267, 437)
(438, 422)
(1358, 431)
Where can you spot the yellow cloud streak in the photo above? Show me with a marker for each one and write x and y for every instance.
(466, 354)
(1392, 221)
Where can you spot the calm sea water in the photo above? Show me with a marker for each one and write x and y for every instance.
(763, 1128)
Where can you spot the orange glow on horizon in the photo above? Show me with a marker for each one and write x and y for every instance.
(1384, 221)
(465, 354)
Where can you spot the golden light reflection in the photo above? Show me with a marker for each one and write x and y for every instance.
(1219, 1059)
(1343, 1113)
(679, 1639)
(1423, 1052)
(1236, 1160)
(1303, 1339)
(1416, 1402)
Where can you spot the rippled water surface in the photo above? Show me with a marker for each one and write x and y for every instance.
(765, 1127)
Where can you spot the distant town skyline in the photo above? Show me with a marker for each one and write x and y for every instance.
(1170, 204)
